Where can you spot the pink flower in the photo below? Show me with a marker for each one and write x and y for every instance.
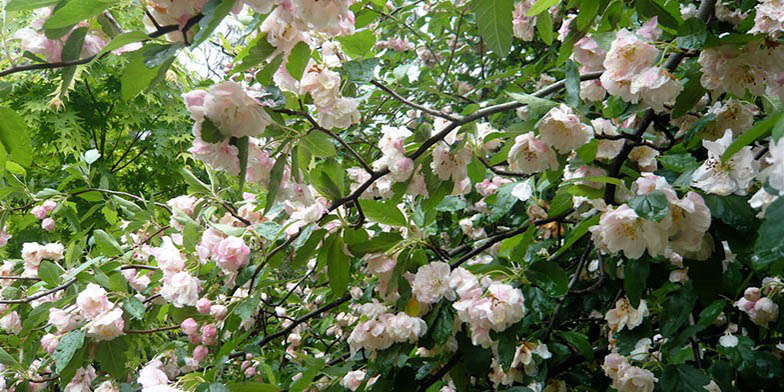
(39, 212)
(231, 254)
(562, 129)
(588, 53)
(769, 18)
(203, 305)
(151, 375)
(629, 55)
(620, 230)
(431, 283)
(530, 155)
(106, 326)
(81, 380)
(219, 312)
(523, 26)
(656, 86)
(189, 326)
(200, 353)
(4, 237)
(209, 334)
(92, 301)
(11, 323)
(48, 224)
(650, 30)
(353, 379)
(49, 342)
(181, 289)
(62, 320)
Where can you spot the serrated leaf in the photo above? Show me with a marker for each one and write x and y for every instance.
(71, 51)
(106, 244)
(587, 13)
(213, 13)
(298, 60)
(541, 6)
(635, 277)
(76, 11)
(319, 144)
(549, 276)
(15, 137)
(691, 94)
(276, 174)
(23, 5)
(385, 213)
(760, 129)
(134, 307)
(359, 44)
(122, 40)
(544, 26)
(494, 18)
(49, 273)
(67, 347)
(338, 266)
(652, 206)
(112, 357)
(257, 50)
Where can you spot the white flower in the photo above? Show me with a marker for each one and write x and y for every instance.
(620, 229)
(530, 155)
(181, 289)
(775, 172)
(230, 109)
(353, 379)
(728, 340)
(725, 178)
(626, 316)
(523, 190)
(431, 283)
(106, 326)
(92, 301)
(562, 129)
(606, 149)
(635, 379)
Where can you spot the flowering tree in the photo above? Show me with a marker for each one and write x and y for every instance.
(319, 195)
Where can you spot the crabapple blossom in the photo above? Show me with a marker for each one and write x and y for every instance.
(530, 155)
(231, 254)
(353, 379)
(11, 323)
(431, 283)
(92, 301)
(523, 26)
(723, 178)
(107, 325)
(769, 18)
(562, 129)
(181, 289)
(626, 316)
(48, 224)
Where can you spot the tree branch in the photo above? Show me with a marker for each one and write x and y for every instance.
(412, 104)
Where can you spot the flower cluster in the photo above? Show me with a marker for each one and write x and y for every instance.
(626, 377)
(104, 319)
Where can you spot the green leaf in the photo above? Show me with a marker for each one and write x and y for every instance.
(760, 129)
(298, 60)
(442, 327)
(537, 107)
(732, 210)
(572, 84)
(507, 347)
(214, 12)
(385, 213)
(577, 232)
(549, 276)
(691, 94)
(134, 307)
(379, 243)
(541, 6)
(692, 34)
(635, 277)
(683, 378)
(338, 266)
(6, 359)
(359, 44)
(137, 77)
(15, 137)
(264, 76)
(76, 11)
(49, 273)
(251, 387)
(276, 174)
(678, 163)
(650, 8)
(106, 244)
(544, 26)
(494, 19)
(676, 311)
(258, 50)
(65, 350)
(579, 341)
(652, 206)
(319, 144)
(111, 356)
(313, 367)
(587, 13)
(122, 40)
(24, 5)
(190, 179)
(210, 132)
(360, 71)
(769, 246)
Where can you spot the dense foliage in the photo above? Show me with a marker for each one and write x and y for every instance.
(320, 195)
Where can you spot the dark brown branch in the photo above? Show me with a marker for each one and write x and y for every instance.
(412, 104)
(303, 319)
(149, 331)
(39, 295)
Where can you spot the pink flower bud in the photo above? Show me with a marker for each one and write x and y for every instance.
(249, 356)
(195, 338)
(39, 212)
(203, 306)
(244, 365)
(250, 372)
(189, 326)
(219, 312)
(209, 334)
(752, 294)
(49, 343)
(49, 206)
(200, 353)
(48, 224)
